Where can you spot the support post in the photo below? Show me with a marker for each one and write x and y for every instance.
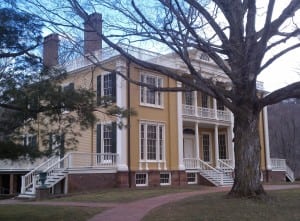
(197, 140)
(180, 129)
(216, 146)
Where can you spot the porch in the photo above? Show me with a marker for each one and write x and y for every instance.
(57, 170)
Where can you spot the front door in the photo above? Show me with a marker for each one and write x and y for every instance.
(189, 147)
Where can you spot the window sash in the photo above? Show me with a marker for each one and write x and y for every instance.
(151, 97)
(152, 140)
(222, 146)
(206, 147)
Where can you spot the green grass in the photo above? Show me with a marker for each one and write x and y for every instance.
(46, 213)
(125, 195)
(283, 205)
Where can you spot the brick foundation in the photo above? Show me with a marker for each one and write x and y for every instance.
(203, 181)
(274, 176)
(178, 178)
(122, 179)
(90, 182)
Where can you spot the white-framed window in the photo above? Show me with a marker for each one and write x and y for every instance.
(149, 97)
(165, 178)
(107, 85)
(141, 179)
(191, 178)
(204, 57)
(206, 145)
(222, 146)
(220, 105)
(106, 88)
(152, 141)
(189, 97)
(204, 98)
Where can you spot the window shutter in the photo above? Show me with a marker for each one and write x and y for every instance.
(98, 89)
(98, 148)
(114, 137)
(50, 141)
(34, 141)
(25, 140)
(114, 86)
(62, 145)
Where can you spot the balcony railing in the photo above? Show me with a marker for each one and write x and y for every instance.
(206, 113)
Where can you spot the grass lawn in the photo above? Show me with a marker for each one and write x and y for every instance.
(46, 213)
(284, 205)
(126, 195)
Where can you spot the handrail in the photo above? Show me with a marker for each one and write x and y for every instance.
(290, 173)
(224, 164)
(28, 179)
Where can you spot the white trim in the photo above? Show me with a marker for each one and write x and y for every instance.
(146, 181)
(144, 147)
(196, 178)
(144, 94)
(197, 146)
(216, 133)
(180, 130)
(170, 179)
(121, 101)
(210, 145)
(266, 138)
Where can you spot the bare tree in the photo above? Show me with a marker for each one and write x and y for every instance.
(228, 31)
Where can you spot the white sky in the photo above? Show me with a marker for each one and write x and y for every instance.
(286, 69)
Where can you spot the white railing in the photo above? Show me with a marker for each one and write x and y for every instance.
(189, 110)
(206, 113)
(29, 179)
(278, 164)
(223, 115)
(194, 163)
(290, 173)
(225, 165)
(72, 160)
(83, 160)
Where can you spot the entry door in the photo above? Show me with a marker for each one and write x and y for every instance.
(189, 147)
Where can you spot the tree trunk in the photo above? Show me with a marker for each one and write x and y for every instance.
(247, 155)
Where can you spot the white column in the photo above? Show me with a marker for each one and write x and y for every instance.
(230, 145)
(121, 101)
(266, 138)
(196, 102)
(215, 108)
(197, 140)
(216, 145)
(180, 129)
(231, 141)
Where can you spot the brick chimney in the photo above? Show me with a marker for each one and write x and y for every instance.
(50, 52)
(92, 28)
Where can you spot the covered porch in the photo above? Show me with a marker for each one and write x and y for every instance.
(210, 143)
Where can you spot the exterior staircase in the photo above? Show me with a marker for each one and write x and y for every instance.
(55, 172)
(218, 177)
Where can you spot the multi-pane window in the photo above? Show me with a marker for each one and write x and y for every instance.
(151, 141)
(220, 105)
(141, 179)
(204, 57)
(191, 178)
(165, 179)
(107, 85)
(106, 88)
(204, 100)
(148, 96)
(107, 138)
(222, 146)
(189, 98)
(206, 147)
